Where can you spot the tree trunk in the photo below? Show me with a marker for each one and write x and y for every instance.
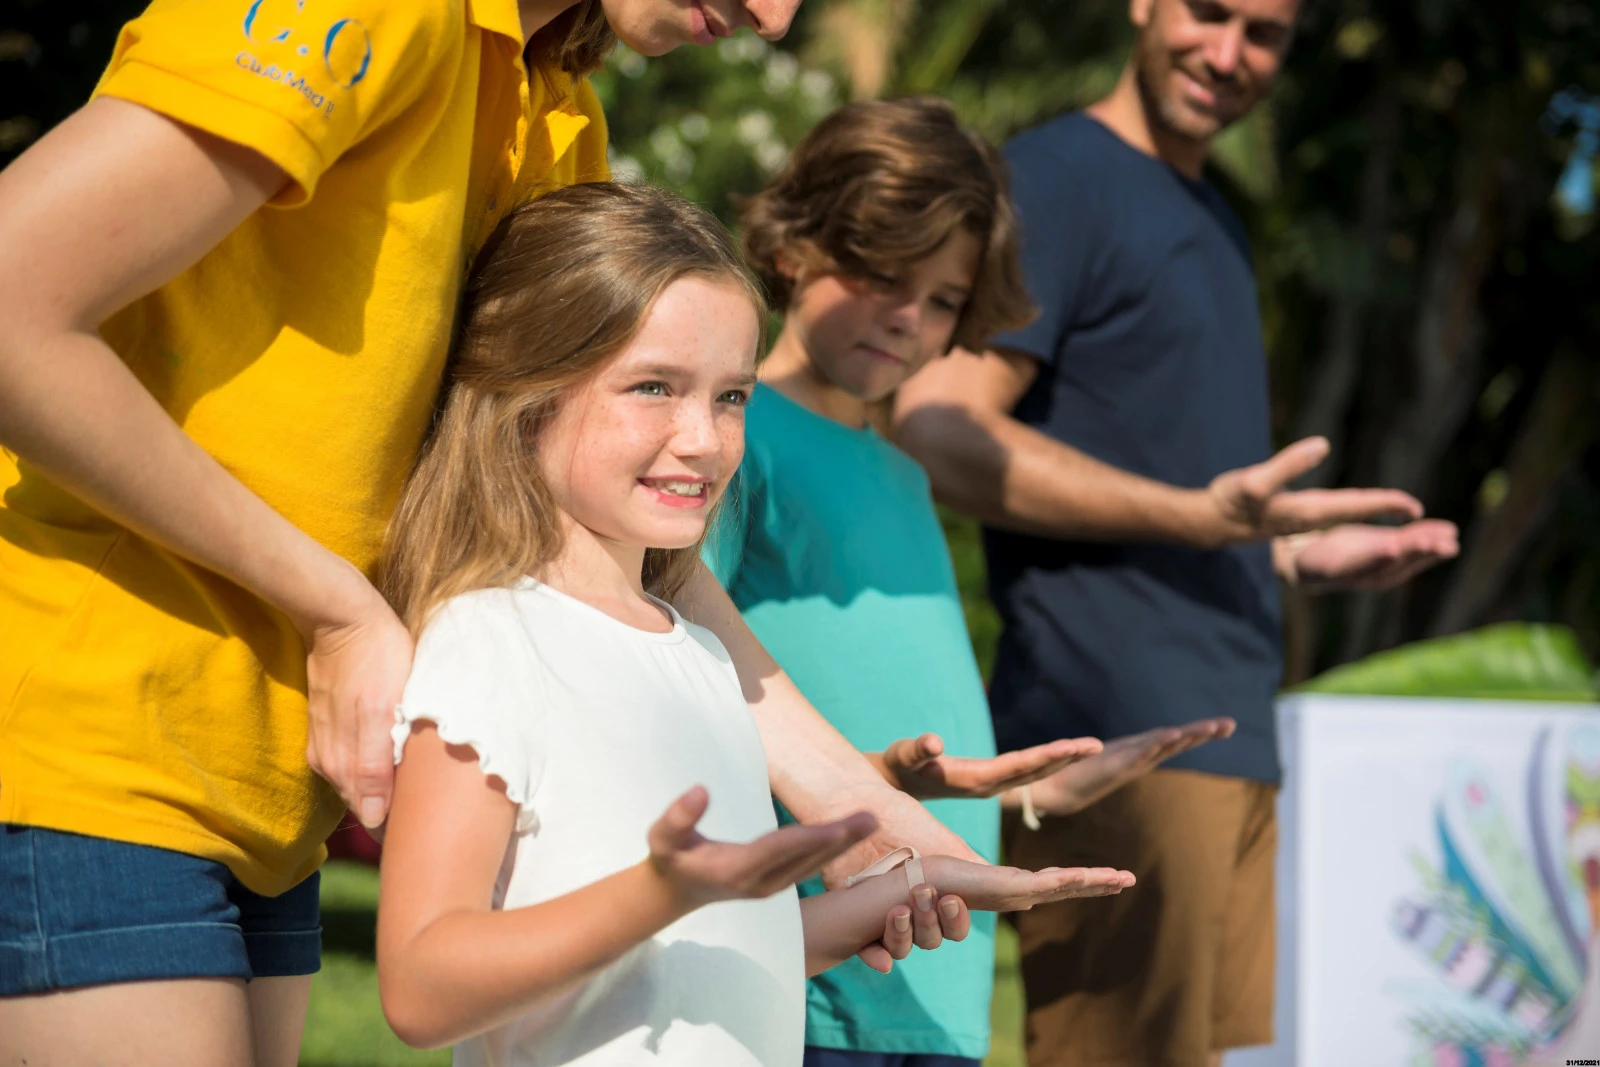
(1557, 429)
(1446, 355)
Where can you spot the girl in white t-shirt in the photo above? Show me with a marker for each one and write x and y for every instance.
(582, 863)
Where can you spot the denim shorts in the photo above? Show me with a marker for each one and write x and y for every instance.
(80, 911)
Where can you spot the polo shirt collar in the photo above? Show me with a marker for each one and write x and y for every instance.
(497, 16)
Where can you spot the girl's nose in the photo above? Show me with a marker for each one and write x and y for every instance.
(695, 431)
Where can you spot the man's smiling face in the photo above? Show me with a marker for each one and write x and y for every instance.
(1203, 64)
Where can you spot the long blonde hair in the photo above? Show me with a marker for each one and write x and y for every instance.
(559, 289)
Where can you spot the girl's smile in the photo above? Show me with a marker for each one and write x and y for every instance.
(678, 492)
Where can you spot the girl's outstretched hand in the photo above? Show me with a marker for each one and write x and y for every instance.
(701, 871)
(986, 888)
(356, 671)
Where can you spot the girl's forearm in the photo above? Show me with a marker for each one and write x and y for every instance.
(467, 972)
(840, 923)
(817, 774)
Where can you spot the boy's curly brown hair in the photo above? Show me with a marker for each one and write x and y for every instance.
(878, 186)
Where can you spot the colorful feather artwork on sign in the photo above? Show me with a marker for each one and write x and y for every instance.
(1508, 917)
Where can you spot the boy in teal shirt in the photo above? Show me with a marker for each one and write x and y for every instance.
(887, 239)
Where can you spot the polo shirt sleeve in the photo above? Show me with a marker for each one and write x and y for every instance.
(300, 83)
(1056, 245)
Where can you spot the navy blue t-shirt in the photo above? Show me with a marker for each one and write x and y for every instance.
(1151, 359)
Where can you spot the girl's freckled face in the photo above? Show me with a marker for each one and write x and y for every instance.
(640, 452)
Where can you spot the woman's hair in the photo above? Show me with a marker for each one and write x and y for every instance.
(577, 40)
(560, 288)
(878, 186)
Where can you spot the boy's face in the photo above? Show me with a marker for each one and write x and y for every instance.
(867, 335)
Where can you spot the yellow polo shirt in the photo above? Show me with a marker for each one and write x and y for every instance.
(143, 698)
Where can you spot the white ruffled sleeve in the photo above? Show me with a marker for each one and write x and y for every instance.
(476, 678)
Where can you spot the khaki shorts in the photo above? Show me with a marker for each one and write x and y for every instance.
(1175, 968)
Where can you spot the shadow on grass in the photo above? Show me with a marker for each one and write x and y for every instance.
(350, 930)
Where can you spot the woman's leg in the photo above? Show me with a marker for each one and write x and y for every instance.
(186, 1022)
(277, 1018)
(127, 955)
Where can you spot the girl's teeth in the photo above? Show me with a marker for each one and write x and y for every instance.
(683, 488)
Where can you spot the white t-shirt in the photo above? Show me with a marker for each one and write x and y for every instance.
(596, 727)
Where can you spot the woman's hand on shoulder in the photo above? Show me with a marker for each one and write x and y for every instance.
(356, 669)
(699, 871)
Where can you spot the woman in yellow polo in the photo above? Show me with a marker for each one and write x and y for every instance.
(227, 292)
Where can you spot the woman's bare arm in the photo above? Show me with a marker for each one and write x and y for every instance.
(104, 209)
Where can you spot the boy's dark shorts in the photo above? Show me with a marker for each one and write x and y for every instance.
(80, 911)
(1177, 967)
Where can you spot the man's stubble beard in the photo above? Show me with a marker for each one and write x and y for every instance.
(1170, 116)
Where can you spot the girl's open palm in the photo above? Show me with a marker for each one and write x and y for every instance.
(703, 871)
(987, 888)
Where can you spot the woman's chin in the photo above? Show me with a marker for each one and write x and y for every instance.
(655, 41)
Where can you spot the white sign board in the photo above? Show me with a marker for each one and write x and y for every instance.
(1438, 884)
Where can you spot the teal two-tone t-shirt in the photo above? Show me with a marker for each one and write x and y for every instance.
(831, 548)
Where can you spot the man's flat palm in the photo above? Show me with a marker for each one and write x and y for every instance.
(1373, 557)
(1124, 760)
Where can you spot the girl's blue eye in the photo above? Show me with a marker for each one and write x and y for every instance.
(736, 397)
(651, 388)
(945, 305)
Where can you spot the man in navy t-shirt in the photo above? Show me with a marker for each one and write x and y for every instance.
(1137, 527)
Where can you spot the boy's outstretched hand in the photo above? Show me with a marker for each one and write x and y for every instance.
(918, 766)
(1076, 787)
(701, 871)
(987, 888)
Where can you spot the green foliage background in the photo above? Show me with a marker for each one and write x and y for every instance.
(1428, 304)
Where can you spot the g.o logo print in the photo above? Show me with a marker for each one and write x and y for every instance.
(342, 44)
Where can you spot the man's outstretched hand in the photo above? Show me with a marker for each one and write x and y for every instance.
(1253, 503)
(1355, 556)
(918, 766)
(1076, 787)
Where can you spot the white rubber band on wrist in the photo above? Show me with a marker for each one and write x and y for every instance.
(1030, 815)
(905, 854)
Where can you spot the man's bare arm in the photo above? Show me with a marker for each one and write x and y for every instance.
(954, 416)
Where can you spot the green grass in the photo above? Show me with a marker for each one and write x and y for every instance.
(1006, 1011)
(345, 1026)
